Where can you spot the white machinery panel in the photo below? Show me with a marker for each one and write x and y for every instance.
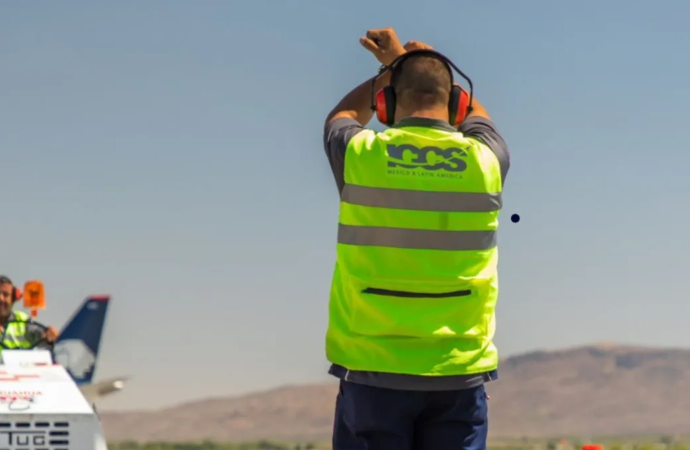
(41, 408)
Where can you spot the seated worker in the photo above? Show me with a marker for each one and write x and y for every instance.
(13, 334)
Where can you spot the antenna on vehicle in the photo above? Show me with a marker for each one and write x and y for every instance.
(34, 297)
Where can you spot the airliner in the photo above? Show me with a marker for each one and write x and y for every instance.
(77, 348)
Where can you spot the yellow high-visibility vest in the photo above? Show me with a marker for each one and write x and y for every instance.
(415, 284)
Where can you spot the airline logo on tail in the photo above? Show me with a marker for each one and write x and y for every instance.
(75, 356)
(79, 342)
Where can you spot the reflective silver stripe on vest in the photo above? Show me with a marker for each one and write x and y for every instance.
(421, 200)
(14, 341)
(416, 239)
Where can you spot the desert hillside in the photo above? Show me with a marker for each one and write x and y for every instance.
(603, 389)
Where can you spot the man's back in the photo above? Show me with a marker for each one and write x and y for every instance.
(418, 218)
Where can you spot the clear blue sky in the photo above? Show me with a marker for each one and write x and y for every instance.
(169, 153)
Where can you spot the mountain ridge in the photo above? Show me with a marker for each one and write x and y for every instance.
(602, 388)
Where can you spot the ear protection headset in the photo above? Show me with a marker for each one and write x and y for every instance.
(383, 102)
(16, 292)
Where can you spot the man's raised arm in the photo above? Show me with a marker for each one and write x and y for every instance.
(386, 47)
(478, 110)
(478, 125)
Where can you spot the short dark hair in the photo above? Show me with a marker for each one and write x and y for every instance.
(422, 81)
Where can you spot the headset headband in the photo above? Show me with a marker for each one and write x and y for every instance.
(426, 52)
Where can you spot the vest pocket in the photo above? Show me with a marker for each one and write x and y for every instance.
(457, 313)
(405, 294)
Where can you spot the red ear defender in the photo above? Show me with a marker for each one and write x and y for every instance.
(381, 112)
(385, 105)
(458, 107)
(16, 294)
(464, 108)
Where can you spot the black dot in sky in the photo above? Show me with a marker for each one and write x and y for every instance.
(515, 218)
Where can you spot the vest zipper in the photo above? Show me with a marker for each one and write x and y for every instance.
(404, 294)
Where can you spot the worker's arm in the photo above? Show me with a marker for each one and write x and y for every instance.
(35, 333)
(478, 110)
(386, 47)
(479, 126)
(356, 105)
(336, 137)
(346, 120)
(353, 112)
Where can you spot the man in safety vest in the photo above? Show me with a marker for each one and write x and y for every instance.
(16, 329)
(411, 314)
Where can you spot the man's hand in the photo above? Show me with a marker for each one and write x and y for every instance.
(384, 44)
(416, 45)
(51, 335)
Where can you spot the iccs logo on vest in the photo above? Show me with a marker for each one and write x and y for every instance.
(409, 160)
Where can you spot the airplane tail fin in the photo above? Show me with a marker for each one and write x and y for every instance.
(80, 340)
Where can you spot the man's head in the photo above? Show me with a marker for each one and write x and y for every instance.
(422, 87)
(7, 292)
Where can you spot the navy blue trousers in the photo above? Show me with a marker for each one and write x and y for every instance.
(373, 418)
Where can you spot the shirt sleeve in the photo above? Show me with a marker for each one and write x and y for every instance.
(484, 130)
(336, 137)
(34, 334)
